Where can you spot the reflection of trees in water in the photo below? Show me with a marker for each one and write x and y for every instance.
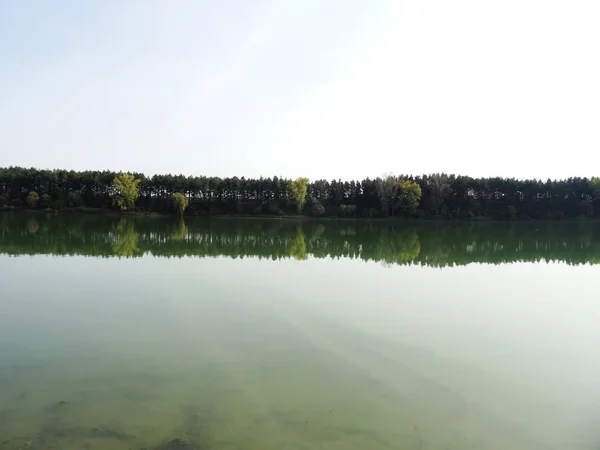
(397, 248)
(298, 246)
(126, 239)
(180, 230)
(32, 225)
(317, 231)
(429, 244)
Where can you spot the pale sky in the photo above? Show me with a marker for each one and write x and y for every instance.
(318, 88)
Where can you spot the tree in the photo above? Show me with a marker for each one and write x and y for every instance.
(386, 191)
(180, 203)
(595, 184)
(32, 199)
(440, 187)
(441, 195)
(586, 208)
(125, 192)
(408, 196)
(298, 189)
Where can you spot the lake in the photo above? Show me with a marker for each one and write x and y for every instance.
(150, 333)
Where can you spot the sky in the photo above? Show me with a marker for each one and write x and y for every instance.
(318, 88)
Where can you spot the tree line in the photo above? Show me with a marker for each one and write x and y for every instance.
(388, 243)
(427, 196)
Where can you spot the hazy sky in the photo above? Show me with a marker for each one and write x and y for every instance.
(316, 88)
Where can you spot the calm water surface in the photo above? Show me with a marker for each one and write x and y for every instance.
(257, 335)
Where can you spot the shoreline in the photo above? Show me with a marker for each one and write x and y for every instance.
(287, 217)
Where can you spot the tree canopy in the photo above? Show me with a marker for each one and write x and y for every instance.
(125, 191)
(180, 203)
(298, 189)
(437, 195)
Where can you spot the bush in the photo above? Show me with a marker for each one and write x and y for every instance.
(4, 200)
(347, 210)
(45, 201)
(316, 209)
(511, 212)
(75, 200)
(32, 199)
(59, 205)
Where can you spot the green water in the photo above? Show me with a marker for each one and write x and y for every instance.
(257, 335)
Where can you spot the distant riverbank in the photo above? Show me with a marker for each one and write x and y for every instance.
(424, 197)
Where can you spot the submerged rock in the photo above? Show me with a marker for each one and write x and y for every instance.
(57, 407)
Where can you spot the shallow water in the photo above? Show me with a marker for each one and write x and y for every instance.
(130, 334)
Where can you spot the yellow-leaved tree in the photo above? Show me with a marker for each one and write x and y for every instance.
(125, 191)
(298, 189)
(180, 203)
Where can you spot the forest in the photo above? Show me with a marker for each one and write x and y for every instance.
(428, 196)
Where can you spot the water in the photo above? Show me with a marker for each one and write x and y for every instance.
(152, 333)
